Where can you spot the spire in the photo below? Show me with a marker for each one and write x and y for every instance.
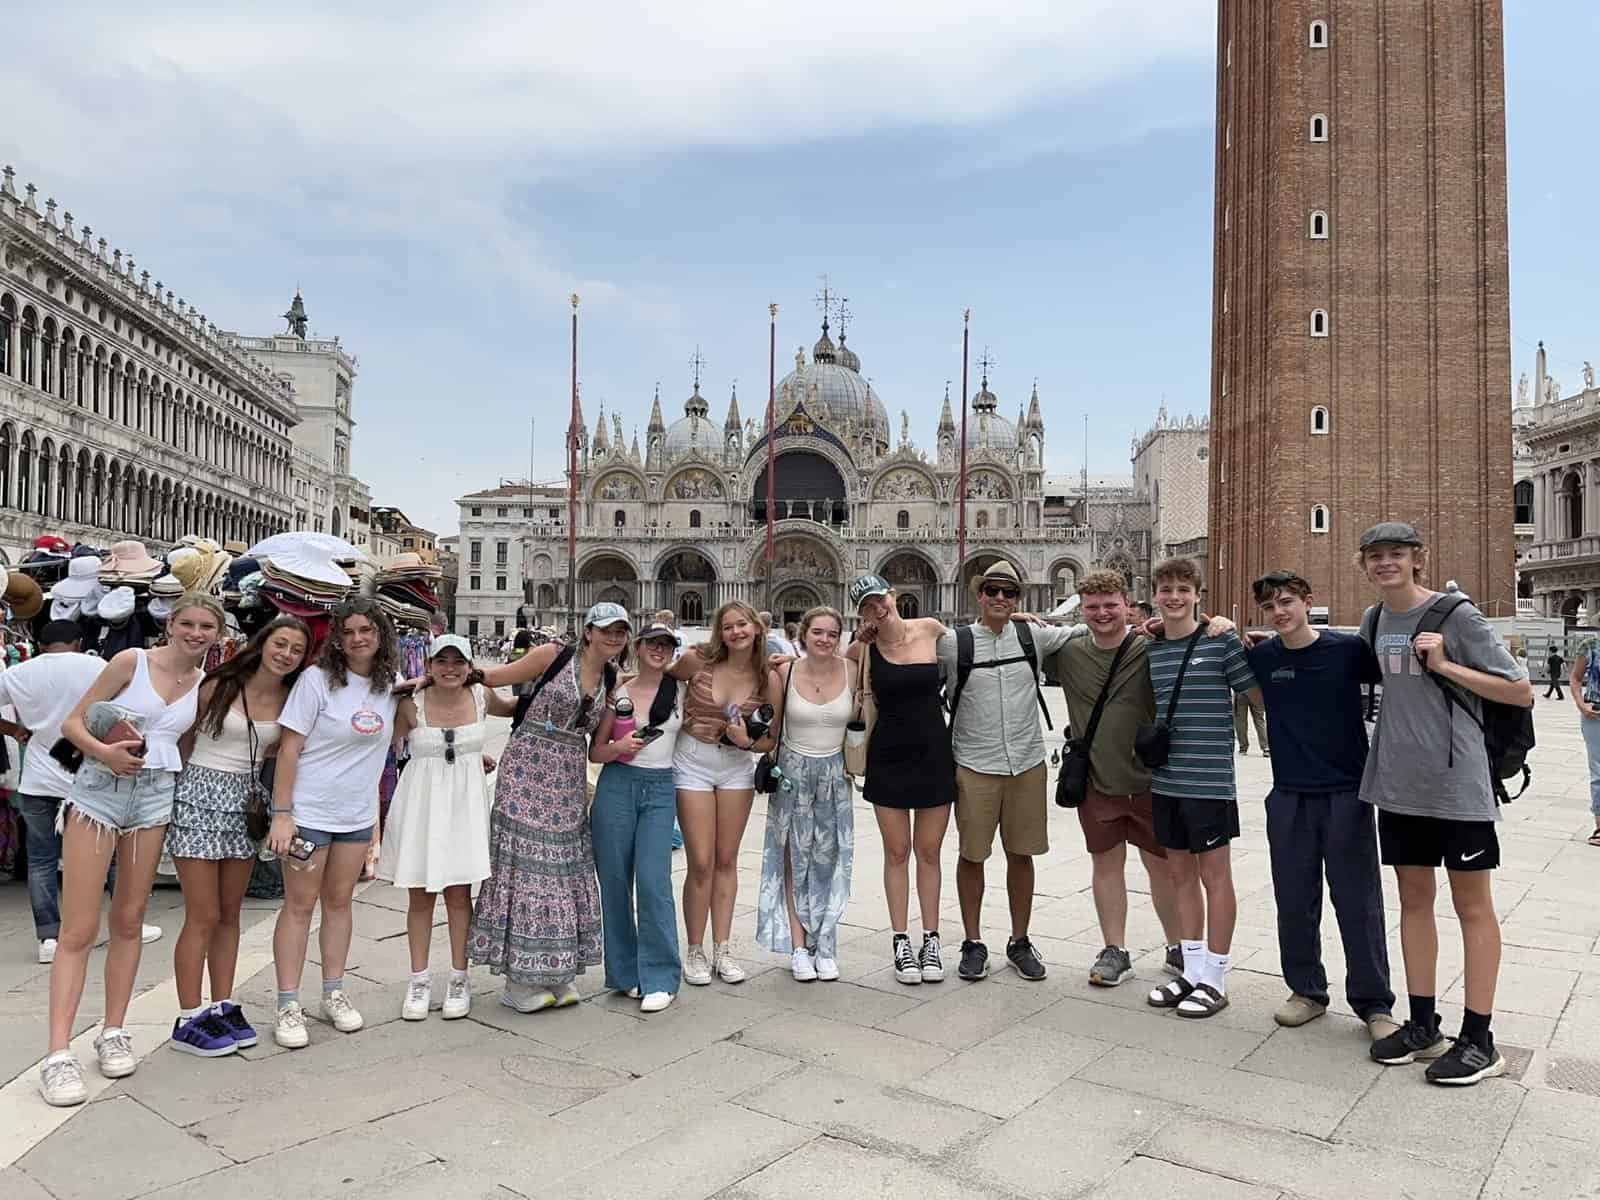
(733, 424)
(296, 316)
(947, 421)
(985, 401)
(657, 425)
(1035, 417)
(695, 405)
(633, 451)
(602, 442)
(823, 351)
(578, 404)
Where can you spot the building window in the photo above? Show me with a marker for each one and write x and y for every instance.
(619, 518)
(477, 511)
(1319, 35)
(1319, 518)
(500, 512)
(1319, 224)
(501, 552)
(499, 627)
(474, 583)
(472, 626)
(1522, 496)
(694, 518)
(1319, 322)
(477, 553)
(1319, 419)
(983, 520)
(1319, 127)
(527, 512)
(902, 519)
(499, 583)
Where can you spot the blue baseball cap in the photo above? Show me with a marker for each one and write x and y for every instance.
(607, 613)
(867, 585)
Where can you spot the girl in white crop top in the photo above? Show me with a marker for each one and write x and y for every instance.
(209, 837)
(124, 789)
(810, 843)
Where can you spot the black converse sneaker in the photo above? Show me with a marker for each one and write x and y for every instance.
(906, 969)
(1409, 1043)
(1465, 1063)
(930, 962)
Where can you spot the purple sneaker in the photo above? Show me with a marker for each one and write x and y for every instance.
(204, 1035)
(233, 1019)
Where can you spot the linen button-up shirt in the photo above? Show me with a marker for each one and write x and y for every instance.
(996, 726)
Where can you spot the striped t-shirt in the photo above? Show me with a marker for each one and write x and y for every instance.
(1201, 763)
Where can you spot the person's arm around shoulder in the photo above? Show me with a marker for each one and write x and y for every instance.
(1493, 675)
(120, 758)
(529, 667)
(405, 720)
(689, 664)
(497, 705)
(946, 654)
(1236, 665)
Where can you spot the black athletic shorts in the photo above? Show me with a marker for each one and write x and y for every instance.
(1408, 841)
(1194, 825)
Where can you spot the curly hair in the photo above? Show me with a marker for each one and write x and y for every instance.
(385, 664)
(228, 680)
(1103, 583)
(716, 652)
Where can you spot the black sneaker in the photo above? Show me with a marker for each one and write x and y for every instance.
(1173, 963)
(906, 969)
(930, 961)
(1409, 1043)
(974, 960)
(1025, 959)
(1465, 1063)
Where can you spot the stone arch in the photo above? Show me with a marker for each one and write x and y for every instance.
(1064, 574)
(876, 480)
(914, 575)
(978, 561)
(756, 462)
(687, 582)
(612, 479)
(756, 545)
(541, 566)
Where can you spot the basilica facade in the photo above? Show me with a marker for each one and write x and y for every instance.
(680, 523)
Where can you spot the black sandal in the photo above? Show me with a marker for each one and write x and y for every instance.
(1170, 994)
(1205, 1000)
(1594, 838)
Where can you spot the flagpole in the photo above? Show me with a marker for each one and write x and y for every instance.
(961, 480)
(772, 426)
(572, 485)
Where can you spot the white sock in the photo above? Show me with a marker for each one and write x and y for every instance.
(457, 976)
(1194, 960)
(189, 1014)
(217, 1004)
(1216, 971)
(422, 976)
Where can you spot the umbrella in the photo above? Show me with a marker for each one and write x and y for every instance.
(313, 545)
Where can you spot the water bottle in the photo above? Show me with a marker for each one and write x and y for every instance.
(623, 725)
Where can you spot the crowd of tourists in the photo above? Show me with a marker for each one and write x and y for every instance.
(544, 875)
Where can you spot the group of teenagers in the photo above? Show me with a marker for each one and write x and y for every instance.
(566, 878)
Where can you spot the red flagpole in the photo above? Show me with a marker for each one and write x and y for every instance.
(772, 426)
(572, 484)
(961, 481)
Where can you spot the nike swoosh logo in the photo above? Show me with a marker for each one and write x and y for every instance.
(1470, 857)
(1215, 840)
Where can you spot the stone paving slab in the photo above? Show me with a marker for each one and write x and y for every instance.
(117, 1150)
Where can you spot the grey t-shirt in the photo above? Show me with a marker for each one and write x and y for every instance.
(1409, 769)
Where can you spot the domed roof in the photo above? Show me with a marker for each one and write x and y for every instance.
(840, 389)
(693, 431)
(989, 428)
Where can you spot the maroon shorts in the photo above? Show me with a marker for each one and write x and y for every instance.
(1109, 821)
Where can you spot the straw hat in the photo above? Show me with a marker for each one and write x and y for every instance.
(23, 596)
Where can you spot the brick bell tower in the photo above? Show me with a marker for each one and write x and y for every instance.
(1360, 363)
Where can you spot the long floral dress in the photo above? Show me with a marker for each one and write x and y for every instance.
(537, 919)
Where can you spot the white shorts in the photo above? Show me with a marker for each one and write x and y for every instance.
(699, 767)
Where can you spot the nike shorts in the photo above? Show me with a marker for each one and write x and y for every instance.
(1408, 841)
(1197, 826)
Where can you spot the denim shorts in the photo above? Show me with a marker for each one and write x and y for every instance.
(321, 837)
(121, 804)
(701, 767)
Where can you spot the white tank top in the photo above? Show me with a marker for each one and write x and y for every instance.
(231, 751)
(164, 723)
(816, 730)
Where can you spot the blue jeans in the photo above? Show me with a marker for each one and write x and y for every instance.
(1591, 742)
(631, 826)
(1309, 833)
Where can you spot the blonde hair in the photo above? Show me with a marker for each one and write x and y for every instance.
(1103, 583)
(1419, 562)
(816, 614)
(205, 601)
(716, 652)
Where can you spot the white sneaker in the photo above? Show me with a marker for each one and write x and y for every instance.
(457, 999)
(568, 996)
(525, 998)
(47, 951)
(800, 963)
(696, 969)
(114, 1049)
(415, 1008)
(633, 993)
(149, 933)
(827, 969)
(61, 1080)
(290, 1031)
(655, 1002)
(728, 970)
(339, 1012)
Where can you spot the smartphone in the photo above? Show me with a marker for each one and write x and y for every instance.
(648, 734)
(302, 849)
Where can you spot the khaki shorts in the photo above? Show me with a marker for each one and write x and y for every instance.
(1013, 804)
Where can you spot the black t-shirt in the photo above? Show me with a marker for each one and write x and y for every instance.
(1314, 710)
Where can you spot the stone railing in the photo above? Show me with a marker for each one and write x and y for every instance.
(739, 533)
(1559, 551)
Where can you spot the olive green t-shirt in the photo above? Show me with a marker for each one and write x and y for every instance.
(1081, 668)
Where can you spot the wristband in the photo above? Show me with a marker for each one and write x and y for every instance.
(283, 812)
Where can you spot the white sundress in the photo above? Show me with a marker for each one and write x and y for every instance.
(437, 835)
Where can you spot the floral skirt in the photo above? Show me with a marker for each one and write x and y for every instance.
(537, 918)
(208, 815)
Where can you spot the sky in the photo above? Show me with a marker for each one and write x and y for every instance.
(438, 179)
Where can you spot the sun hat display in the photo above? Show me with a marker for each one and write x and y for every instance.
(117, 605)
(131, 560)
(24, 597)
(190, 566)
(82, 581)
(169, 587)
(52, 544)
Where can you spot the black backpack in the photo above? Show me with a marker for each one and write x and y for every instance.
(1507, 728)
(964, 665)
(563, 657)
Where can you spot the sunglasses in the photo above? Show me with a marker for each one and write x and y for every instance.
(449, 747)
(996, 592)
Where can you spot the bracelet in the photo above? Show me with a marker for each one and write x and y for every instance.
(283, 812)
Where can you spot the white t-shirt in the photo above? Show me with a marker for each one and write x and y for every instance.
(44, 691)
(347, 732)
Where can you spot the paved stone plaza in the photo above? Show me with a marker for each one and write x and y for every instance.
(862, 1087)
